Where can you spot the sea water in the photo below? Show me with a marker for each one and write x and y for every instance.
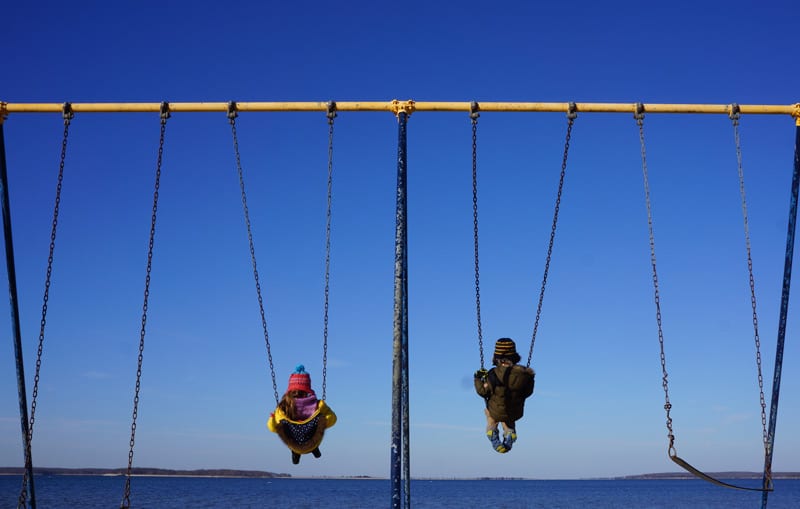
(95, 492)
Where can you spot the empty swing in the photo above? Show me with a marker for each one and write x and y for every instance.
(506, 386)
(671, 451)
(300, 419)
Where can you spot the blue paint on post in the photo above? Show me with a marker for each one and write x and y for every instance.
(15, 327)
(787, 279)
(400, 340)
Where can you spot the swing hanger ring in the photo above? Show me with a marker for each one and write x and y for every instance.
(331, 111)
(474, 109)
(735, 112)
(233, 110)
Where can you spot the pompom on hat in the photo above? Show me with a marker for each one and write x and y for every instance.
(300, 380)
(505, 348)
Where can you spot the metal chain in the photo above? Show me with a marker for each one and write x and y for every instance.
(734, 115)
(572, 114)
(232, 113)
(474, 115)
(331, 117)
(639, 116)
(127, 494)
(68, 115)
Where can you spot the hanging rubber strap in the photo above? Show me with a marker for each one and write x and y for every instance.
(126, 498)
(572, 114)
(232, 114)
(671, 451)
(784, 312)
(474, 115)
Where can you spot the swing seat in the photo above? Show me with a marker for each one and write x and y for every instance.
(302, 437)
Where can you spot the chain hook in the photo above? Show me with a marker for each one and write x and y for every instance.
(474, 108)
(67, 113)
(638, 113)
(671, 451)
(164, 111)
(331, 111)
(232, 111)
(572, 112)
(735, 113)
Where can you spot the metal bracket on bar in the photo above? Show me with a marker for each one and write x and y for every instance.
(474, 109)
(331, 105)
(408, 107)
(638, 111)
(233, 112)
(572, 111)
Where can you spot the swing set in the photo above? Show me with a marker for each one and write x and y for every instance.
(400, 465)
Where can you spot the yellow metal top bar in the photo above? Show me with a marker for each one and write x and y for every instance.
(395, 106)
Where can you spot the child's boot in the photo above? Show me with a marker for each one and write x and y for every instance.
(316, 452)
(295, 458)
(494, 438)
(509, 439)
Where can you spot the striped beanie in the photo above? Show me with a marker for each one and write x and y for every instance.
(300, 380)
(505, 349)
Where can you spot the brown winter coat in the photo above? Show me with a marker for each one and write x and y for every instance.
(505, 391)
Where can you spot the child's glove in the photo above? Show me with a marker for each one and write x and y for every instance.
(481, 374)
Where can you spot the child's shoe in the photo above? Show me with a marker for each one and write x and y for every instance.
(494, 438)
(316, 452)
(509, 439)
(295, 458)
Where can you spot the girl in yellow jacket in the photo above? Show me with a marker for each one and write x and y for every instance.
(300, 419)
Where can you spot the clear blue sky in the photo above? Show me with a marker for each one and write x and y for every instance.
(206, 391)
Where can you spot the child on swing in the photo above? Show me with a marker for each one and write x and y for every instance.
(505, 388)
(300, 420)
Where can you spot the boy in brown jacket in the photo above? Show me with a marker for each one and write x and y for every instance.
(505, 388)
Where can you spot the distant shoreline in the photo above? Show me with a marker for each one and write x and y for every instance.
(258, 474)
(144, 471)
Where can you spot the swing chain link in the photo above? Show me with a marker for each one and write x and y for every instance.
(331, 117)
(164, 116)
(67, 115)
(474, 115)
(639, 116)
(232, 114)
(572, 114)
(735, 114)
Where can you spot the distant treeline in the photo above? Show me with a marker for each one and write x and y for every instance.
(223, 472)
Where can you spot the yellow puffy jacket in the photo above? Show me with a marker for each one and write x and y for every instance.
(304, 436)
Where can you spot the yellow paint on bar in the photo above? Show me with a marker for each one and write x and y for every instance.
(394, 106)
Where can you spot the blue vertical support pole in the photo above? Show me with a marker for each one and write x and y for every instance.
(787, 279)
(400, 340)
(15, 327)
(404, 345)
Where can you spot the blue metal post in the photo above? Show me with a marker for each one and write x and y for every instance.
(15, 327)
(404, 341)
(400, 343)
(787, 279)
